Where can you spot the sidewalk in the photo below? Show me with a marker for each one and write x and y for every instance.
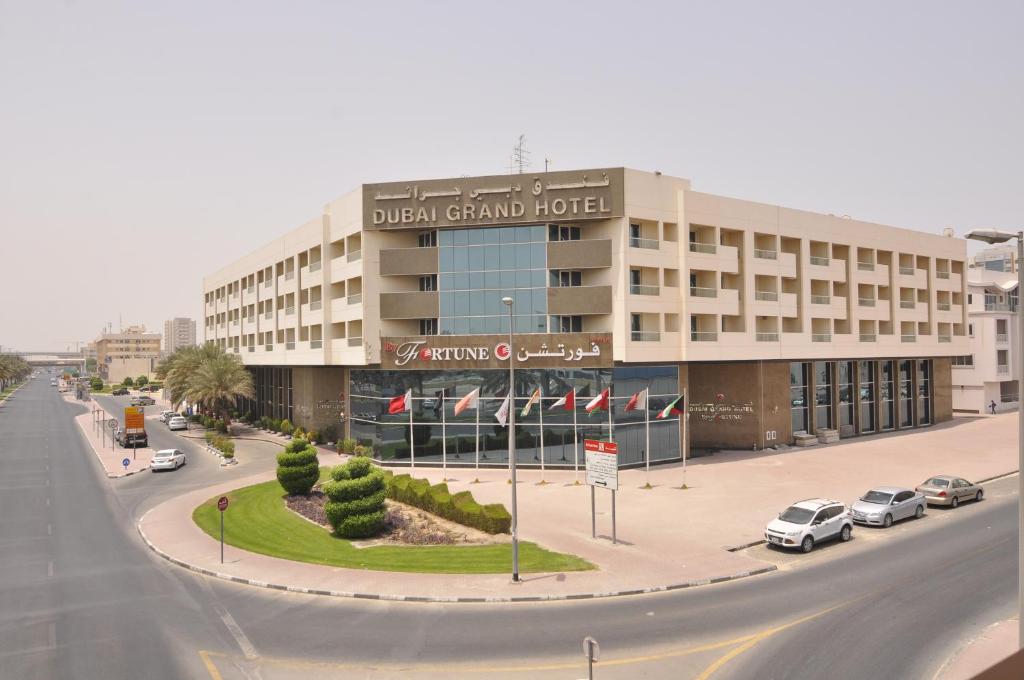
(996, 643)
(110, 456)
(668, 537)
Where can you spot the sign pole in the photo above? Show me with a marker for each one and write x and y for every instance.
(575, 440)
(540, 403)
(222, 505)
(444, 443)
(477, 479)
(412, 439)
(593, 513)
(614, 537)
(686, 433)
(647, 437)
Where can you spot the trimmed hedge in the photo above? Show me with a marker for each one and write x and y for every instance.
(355, 499)
(222, 444)
(460, 507)
(297, 468)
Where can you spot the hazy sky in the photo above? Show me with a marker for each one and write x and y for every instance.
(145, 144)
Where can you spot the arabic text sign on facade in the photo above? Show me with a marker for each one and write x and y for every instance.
(535, 350)
(602, 464)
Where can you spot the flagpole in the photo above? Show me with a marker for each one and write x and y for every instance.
(647, 435)
(444, 443)
(540, 403)
(412, 438)
(575, 440)
(477, 479)
(611, 426)
(685, 416)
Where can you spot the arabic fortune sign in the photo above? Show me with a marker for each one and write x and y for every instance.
(500, 199)
(602, 463)
(537, 350)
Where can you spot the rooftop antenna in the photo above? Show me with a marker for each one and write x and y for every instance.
(547, 162)
(520, 157)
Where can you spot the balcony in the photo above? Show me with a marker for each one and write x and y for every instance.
(316, 305)
(703, 292)
(645, 336)
(316, 344)
(767, 337)
(289, 275)
(289, 311)
(1002, 337)
(269, 347)
(907, 271)
(354, 299)
(766, 295)
(866, 302)
(1003, 369)
(703, 336)
(705, 248)
(637, 289)
(942, 306)
(941, 275)
(645, 243)
(409, 305)
(408, 261)
(353, 255)
(821, 299)
(766, 254)
(821, 337)
(907, 304)
(866, 266)
(945, 338)
(314, 266)
(356, 341)
(580, 300)
(289, 345)
(269, 314)
(868, 337)
(583, 254)
(908, 337)
(819, 261)
(999, 307)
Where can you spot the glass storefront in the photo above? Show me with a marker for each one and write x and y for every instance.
(436, 430)
(867, 396)
(798, 396)
(822, 395)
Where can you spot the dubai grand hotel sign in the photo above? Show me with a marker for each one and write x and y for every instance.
(531, 350)
(499, 199)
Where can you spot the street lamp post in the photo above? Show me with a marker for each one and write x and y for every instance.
(507, 301)
(993, 236)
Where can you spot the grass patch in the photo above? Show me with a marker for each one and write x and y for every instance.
(258, 520)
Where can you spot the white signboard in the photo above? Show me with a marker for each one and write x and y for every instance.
(602, 465)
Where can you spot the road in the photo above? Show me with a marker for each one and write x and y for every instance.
(81, 597)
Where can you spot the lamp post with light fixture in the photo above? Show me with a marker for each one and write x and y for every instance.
(992, 237)
(507, 301)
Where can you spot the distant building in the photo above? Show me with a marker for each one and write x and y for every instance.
(130, 353)
(1001, 258)
(179, 332)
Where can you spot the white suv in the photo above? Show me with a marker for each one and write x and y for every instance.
(807, 523)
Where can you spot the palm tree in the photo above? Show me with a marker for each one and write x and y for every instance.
(12, 369)
(177, 370)
(219, 381)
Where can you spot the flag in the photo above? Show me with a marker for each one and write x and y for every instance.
(439, 397)
(673, 409)
(401, 404)
(600, 402)
(534, 398)
(638, 401)
(568, 402)
(502, 414)
(471, 400)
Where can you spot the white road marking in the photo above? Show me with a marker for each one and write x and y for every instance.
(53, 635)
(49, 530)
(47, 502)
(49, 568)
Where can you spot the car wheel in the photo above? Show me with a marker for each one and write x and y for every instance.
(977, 496)
(919, 513)
(807, 545)
(887, 522)
(846, 533)
(955, 502)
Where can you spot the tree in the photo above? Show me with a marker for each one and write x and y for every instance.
(179, 369)
(141, 380)
(12, 369)
(298, 468)
(218, 382)
(128, 382)
(355, 505)
(96, 384)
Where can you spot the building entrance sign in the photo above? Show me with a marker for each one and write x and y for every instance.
(533, 350)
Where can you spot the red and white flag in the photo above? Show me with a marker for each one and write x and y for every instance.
(471, 400)
(401, 404)
(601, 402)
(568, 402)
(502, 414)
(638, 401)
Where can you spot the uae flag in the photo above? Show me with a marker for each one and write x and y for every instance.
(568, 402)
(599, 403)
(534, 398)
(673, 409)
(471, 400)
(638, 401)
(401, 404)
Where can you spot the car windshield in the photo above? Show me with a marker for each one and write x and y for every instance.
(164, 454)
(935, 481)
(877, 497)
(796, 515)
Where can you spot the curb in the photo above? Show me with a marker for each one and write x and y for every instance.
(997, 477)
(440, 599)
(127, 474)
(110, 475)
(11, 393)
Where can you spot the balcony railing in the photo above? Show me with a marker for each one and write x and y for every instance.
(1002, 337)
(354, 255)
(250, 290)
(268, 283)
(235, 350)
(767, 295)
(1003, 368)
(942, 275)
(354, 299)
(767, 337)
(945, 338)
(288, 311)
(999, 307)
(821, 337)
(820, 261)
(250, 348)
(907, 271)
(1007, 398)
(316, 344)
(868, 337)
(288, 276)
(907, 304)
(703, 336)
(315, 305)
(866, 302)
(645, 336)
(766, 254)
(314, 266)
(355, 341)
(866, 266)
(942, 306)
(269, 314)
(696, 291)
(908, 337)
(269, 347)
(821, 300)
(706, 248)
(637, 289)
(647, 243)
(289, 345)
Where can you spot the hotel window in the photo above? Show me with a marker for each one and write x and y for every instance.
(845, 370)
(924, 393)
(970, 299)
(479, 267)
(888, 394)
(566, 324)
(428, 239)
(822, 395)
(867, 396)
(557, 233)
(566, 279)
(428, 326)
(634, 323)
(798, 396)
(906, 394)
(428, 283)
(965, 360)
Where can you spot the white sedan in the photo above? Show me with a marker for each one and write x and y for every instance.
(167, 459)
(177, 423)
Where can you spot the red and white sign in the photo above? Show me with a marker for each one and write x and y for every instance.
(602, 463)
(502, 351)
(600, 446)
(222, 503)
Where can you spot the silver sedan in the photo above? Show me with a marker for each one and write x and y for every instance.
(949, 490)
(884, 505)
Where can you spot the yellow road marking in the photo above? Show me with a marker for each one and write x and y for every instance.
(210, 667)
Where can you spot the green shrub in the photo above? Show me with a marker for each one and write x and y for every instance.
(459, 507)
(297, 468)
(355, 505)
(221, 425)
(299, 432)
(286, 427)
(347, 446)
(227, 447)
(328, 434)
(195, 418)
(275, 425)
(96, 384)
(265, 422)
(141, 380)
(363, 451)
(128, 382)
(313, 436)
(230, 454)
(303, 457)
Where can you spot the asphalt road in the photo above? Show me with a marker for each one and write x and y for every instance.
(891, 603)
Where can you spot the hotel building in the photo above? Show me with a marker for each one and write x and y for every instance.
(778, 324)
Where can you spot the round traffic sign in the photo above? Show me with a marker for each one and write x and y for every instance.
(222, 503)
(126, 462)
(112, 423)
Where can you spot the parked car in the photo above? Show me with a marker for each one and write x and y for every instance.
(807, 523)
(143, 401)
(949, 490)
(53, 383)
(120, 392)
(130, 440)
(177, 423)
(167, 459)
(165, 416)
(884, 505)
